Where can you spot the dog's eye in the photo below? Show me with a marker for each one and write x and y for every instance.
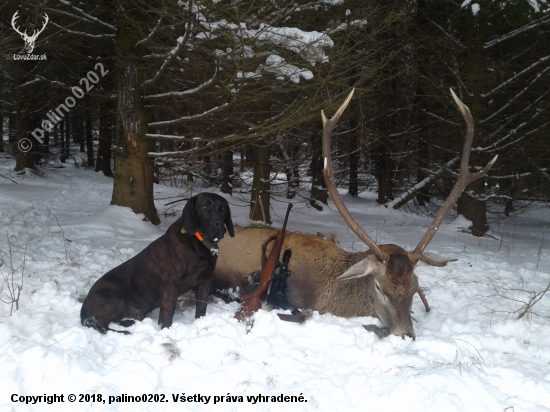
(205, 208)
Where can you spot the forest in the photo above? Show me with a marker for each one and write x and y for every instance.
(113, 111)
(228, 94)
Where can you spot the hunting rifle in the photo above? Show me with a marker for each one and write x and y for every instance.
(252, 301)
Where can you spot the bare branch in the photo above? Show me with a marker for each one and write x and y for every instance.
(516, 32)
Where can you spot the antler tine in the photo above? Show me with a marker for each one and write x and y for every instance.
(35, 32)
(15, 16)
(464, 178)
(46, 20)
(328, 127)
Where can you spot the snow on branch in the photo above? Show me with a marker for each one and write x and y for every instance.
(278, 66)
(308, 45)
(514, 176)
(185, 92)
(513, 116)
(515, 97)
(81, 33)
(151, 33)
(514, 142)
(167, 137)
(182, 40)
(171, 154)
(515, 76)
(86, 15)
(516, 32)
(441, 118)
(494, 146)
(186, 118)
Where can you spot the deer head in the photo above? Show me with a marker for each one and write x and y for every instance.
(29, 40)
(391, 267)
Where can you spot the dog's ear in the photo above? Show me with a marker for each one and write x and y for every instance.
(228, 221)
(190, 222)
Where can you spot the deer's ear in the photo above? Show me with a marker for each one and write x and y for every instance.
(365, 267)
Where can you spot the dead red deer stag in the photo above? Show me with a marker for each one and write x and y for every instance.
(379, 282)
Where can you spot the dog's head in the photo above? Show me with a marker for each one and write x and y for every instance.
(209, 214)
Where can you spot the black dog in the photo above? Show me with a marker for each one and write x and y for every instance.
(180, 260)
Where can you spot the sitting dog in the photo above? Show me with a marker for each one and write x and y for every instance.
(180, 260)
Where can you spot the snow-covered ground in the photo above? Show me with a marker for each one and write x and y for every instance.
(470, 354)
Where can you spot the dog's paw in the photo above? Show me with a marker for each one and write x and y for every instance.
(164, 324)
(94, 324)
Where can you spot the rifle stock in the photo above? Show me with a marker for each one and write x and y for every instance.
(252, 301)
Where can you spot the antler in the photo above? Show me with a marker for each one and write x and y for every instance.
(328, 127)
(36, 33)
(464, 178)
(15, 16)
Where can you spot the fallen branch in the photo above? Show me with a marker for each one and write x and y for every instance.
(413, 191)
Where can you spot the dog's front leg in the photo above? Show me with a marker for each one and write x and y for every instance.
(168, 300)
(202, 290)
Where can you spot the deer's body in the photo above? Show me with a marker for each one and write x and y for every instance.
(316, 265)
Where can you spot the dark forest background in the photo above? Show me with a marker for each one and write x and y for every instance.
(228, 94)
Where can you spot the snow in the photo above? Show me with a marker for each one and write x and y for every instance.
(470, 353)
(277, 65)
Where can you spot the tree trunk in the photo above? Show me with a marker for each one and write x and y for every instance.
(475, 211)
(78, 129)
(469, 206)
(89, 133)
(384, 170)
(1, 132)
(103, 161)
(23, 159)
(423, 196)
(11, 129)
(46, 145)
(133, 171)
(261, 193)
(353, 150)
(61, 126)
(207, 170)
(514, 189)
(227, 173)
(292, 171)
(318, 187)
(67, 147)
(384, 163)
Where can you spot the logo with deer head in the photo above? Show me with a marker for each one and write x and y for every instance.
(29, 40)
